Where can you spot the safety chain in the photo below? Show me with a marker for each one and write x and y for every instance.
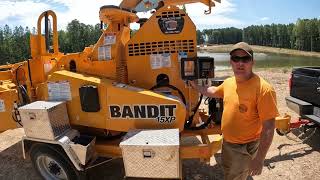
(298, 140)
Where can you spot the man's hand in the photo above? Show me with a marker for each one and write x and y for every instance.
(255, 167)
(192, 84)
(206, 91)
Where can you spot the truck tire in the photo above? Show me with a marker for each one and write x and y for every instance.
(52, 164)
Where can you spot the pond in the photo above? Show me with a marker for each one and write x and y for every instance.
(264, 60)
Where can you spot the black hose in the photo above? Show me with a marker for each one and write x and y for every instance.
(206, 101)
(172, 87)
(24, 93)
(29, 72)
(21, 88)
(188, 123)
(15, 119)
(14, 115)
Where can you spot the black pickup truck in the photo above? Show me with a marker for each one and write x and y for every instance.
(304, 96)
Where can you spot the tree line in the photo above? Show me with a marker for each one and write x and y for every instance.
(15, 44)
(302, 35)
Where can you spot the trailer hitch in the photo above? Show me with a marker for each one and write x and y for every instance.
(281, 130)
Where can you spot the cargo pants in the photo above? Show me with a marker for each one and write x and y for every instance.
(236, 159)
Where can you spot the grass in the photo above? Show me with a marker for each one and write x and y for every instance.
(261, 49)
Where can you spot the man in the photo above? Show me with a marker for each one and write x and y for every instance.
(248, 119)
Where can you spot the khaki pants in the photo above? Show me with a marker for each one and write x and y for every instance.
(236, 159)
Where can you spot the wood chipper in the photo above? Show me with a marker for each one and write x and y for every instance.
(122, 97)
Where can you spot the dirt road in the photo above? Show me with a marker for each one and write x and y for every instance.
(286, 159)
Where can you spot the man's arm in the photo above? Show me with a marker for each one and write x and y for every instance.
(265, 142)
(206, 91)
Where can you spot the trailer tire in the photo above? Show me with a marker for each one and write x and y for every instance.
(51, 163)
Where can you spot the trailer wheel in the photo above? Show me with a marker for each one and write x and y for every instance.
(52, 164)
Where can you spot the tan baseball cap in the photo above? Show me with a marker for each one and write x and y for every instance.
(243, 46)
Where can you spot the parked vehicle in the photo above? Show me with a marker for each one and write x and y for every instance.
(304, 96)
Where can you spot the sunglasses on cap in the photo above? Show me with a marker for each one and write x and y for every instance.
(244, 59)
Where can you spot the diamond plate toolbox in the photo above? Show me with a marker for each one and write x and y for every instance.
(44, 120)
(152, 154)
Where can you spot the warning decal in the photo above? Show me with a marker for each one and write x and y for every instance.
(104, 53)
(158, 61)
(109, 39)
(59, 91)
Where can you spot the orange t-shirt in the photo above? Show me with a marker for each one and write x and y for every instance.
(246, 106)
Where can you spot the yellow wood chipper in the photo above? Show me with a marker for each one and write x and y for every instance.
(121, 97)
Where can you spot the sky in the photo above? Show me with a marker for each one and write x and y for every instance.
(228, 13)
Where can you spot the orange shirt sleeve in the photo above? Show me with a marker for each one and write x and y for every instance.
(267, 104)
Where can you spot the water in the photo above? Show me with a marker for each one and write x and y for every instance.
(265, 60)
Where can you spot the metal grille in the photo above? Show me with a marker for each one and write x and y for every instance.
(168, 14)
(160, 47)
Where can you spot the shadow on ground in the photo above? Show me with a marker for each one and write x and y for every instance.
(192, 170)
(310, 137)
(14, 167)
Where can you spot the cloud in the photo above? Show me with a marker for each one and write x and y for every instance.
(85, 11)
(223, 8)
(264, 19)
(22, 11)
(26, 12)
(219, 16)
(216, 22)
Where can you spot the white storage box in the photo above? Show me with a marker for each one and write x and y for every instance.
(152, 153)
(44, 120)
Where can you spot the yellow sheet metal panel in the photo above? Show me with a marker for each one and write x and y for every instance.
(135, 108)
(131, 107)
(150, 43)
(75, 81)
(192, 147)
(110, 14)
(7, 98)
(4, 75)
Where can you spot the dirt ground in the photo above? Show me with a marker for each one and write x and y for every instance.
(286, 159)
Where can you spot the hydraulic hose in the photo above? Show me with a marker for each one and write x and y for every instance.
(171, 87)
(188, 123)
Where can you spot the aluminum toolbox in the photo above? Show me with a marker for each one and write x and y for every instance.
(44, 120)
(152, 154)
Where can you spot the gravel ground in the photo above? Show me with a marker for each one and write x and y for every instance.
(286, 159)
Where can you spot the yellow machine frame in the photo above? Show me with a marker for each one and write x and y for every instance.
(129, 64)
